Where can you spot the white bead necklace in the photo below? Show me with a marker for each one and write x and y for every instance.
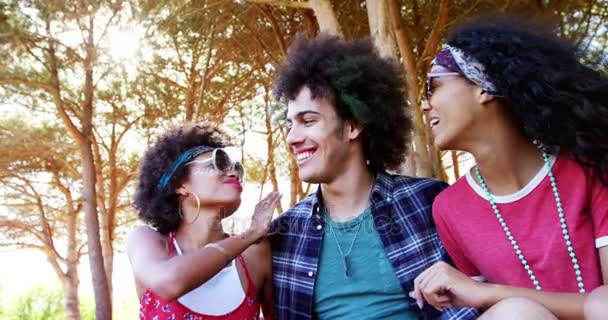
(562, 221)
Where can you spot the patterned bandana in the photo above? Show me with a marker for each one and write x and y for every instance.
(183, 158)
(456, 60)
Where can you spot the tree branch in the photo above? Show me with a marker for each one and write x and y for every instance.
(22, 245)
(433, 40)
(283, 3)
(167, 81)
(25, 82)
(278, 35)
(14, 224)
(56, 89)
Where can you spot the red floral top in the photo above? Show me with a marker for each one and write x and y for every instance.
(153, 307)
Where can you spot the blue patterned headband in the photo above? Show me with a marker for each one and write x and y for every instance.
(457, 60)
(187, 156)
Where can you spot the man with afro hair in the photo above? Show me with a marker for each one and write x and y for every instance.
(352, 249)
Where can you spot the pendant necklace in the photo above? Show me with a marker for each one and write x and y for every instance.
(342, 254)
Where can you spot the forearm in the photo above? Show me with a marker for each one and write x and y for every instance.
(186, 272)
(562, 305)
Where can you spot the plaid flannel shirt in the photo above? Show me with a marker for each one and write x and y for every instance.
(401, 209)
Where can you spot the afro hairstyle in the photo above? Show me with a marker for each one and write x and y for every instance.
(362, 86)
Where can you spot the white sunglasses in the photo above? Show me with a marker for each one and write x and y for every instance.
(222, 162)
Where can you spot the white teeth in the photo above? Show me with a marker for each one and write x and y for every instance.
(434, 122)
(303, 156)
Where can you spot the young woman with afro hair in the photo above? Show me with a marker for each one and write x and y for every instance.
(529, 221)
(185, 266)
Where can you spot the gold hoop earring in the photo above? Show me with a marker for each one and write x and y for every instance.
(198, 209)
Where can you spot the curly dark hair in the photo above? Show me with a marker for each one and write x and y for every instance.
(159, 208)
(554, 98)
(362, 86)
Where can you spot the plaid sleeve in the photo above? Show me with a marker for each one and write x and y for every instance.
(433, 249)
(459, 313)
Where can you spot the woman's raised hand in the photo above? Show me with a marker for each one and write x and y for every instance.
(262, 215)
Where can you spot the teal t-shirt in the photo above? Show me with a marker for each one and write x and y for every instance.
(372, 291)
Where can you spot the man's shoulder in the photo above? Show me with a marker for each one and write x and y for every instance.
(459, 189)
(295, 217)
(301, 209)
(410, 185)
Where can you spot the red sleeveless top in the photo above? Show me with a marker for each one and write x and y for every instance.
(153, 307)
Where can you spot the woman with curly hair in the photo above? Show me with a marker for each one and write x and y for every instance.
(530, 219)
(185, 265)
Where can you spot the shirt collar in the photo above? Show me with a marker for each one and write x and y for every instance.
(381, 190)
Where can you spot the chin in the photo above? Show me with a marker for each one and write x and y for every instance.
(310, 177)
(442, 143)
(441, 146)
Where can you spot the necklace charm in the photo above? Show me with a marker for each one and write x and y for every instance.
(343, 255)
(345, 262)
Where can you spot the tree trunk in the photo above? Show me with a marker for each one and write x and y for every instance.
(107, 250)
(380, 30)
(304, 192)
(105, 206)
(328, 23)
(204, 76)
(270, 151)
(294, 180)
(70, 279)
(308, 19)
(70, 292)
(296, 184)
(455, 164)
(441, 173)
(423, 166)
(103, 307)
(103, 302)
(377, 12)
(107, 236)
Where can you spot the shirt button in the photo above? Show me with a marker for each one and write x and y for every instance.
(310, 273)
(389, 199)
(319, 227)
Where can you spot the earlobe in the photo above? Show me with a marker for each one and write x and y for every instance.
(182, 191)
(485, 97)
(354, 131)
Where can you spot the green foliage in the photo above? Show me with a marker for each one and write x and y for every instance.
(33, 148)
(255, 170)
(42, 303)
(87, 308)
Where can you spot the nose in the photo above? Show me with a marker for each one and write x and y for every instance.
(293, 137)
(425, 106)
(234, 172)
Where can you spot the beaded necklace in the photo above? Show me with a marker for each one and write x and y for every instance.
(562, 221)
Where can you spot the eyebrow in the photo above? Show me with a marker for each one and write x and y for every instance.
(302, 114)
